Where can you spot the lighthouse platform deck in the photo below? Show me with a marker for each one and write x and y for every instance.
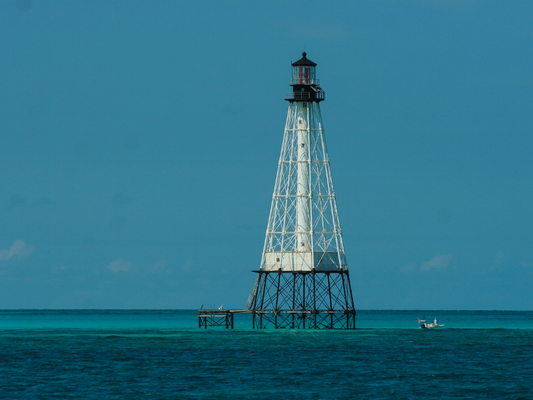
(288, 319)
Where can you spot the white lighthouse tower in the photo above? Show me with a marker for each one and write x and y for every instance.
(303, 279)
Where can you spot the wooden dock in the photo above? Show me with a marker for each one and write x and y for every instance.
(218, 318)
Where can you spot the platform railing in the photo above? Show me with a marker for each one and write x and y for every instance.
(302, 81)
(320, 95)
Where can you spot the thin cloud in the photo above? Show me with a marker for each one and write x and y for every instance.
(160, 264)
(437, 262)
(19, 248)
(120, 265)
(160, 268)
(408, 268)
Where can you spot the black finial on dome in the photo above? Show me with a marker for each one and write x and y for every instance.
(304, 54)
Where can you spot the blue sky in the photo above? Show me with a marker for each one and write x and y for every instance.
(139, 144)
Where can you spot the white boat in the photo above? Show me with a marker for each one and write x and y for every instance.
(428, 325)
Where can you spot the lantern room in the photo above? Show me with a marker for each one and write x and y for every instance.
(305, 85)
(304, 72)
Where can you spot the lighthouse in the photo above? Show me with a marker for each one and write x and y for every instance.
(303, 279)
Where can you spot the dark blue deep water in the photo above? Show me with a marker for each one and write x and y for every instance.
(164, 355)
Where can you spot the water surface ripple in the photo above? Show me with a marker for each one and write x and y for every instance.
(163, 355)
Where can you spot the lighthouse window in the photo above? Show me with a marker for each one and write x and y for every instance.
(304, 75)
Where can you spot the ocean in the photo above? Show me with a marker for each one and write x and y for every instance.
(162, 354)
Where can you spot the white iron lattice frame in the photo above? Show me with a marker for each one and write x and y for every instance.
(303, 232)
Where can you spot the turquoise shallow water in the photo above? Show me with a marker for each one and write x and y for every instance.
(164, 355)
